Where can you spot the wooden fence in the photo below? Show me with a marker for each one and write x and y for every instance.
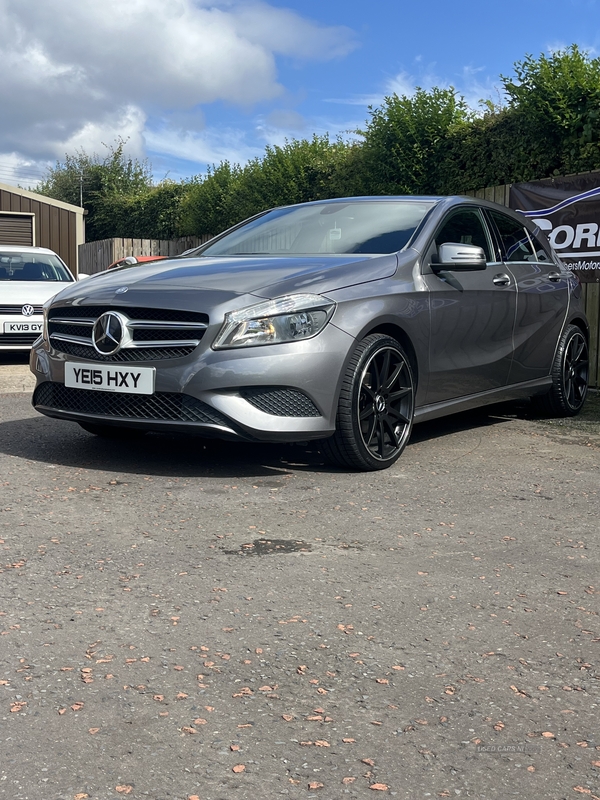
(591, 291)
(98, 256)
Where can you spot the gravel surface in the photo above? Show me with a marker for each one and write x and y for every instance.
(188, 619)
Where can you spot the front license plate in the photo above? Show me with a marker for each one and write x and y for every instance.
(23, 327)
(104, 378)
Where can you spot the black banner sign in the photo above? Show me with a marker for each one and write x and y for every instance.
(567, 209)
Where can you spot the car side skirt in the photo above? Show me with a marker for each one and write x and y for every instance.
(501, 395)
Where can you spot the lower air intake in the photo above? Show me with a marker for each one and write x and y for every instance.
(280, 402)
(161, 406)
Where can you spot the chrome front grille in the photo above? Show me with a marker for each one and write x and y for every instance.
(151, 333)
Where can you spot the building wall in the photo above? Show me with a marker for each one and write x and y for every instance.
(56, 225)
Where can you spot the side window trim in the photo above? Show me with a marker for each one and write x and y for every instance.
(539, 240)
(495, 235)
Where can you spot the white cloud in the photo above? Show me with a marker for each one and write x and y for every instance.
(286, 120)
(284, 32)
(127, 124)
(210, 146)
(405, 84)
(18, 171)
(472, 83)
(272, 132)
(76, 73)
(477, 87)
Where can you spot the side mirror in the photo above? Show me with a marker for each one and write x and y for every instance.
(459, 258)
(82, 276)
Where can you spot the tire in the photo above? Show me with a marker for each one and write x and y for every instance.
(570, 374)
(376, 407)
(111, 431)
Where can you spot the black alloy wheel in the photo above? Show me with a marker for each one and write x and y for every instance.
(570, 375)
(376, 407)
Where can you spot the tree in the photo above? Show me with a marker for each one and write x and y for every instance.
(97, 181)
(209, 203)
(297, 172)
(405, 138)
(557, 99)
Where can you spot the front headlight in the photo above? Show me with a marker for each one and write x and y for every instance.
(285, 319)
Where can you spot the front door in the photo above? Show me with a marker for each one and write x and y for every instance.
(472, 314)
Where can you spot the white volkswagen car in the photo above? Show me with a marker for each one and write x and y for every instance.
(28, 277)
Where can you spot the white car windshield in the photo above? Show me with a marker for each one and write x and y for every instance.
(369, 227)
(33, 267)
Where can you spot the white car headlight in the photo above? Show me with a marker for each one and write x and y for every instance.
(285, 319)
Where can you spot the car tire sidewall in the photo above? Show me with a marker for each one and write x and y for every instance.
(559, 375)
(349, 404)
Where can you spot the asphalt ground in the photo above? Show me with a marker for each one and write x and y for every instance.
(190, 619)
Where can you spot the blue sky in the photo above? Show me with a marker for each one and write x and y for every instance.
(192, 82)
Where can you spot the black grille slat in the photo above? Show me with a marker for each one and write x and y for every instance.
(123, 356)
(280, 402)
(150, 314)
(18, 339)
(166, 334)
(70, 330)
(161, 406)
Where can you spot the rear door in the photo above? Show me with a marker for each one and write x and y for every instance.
(542, 297)
(472, 313)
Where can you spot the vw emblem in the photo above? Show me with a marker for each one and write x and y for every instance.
(108, 332)
(27, 311)
(122, 290)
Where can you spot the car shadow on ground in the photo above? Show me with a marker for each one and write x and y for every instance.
(56, 442)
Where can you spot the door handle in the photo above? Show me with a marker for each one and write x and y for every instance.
(502, 279)
(554, 277)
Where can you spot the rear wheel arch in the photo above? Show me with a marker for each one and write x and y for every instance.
(569, 374)
(582, 325)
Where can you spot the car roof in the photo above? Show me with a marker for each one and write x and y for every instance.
(14, 248)
(441, 202)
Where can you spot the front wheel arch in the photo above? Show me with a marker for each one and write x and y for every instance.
(375, 408)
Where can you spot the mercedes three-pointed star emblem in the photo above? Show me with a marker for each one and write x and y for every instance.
(107, 333)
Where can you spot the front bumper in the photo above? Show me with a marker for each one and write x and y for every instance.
(276, 393)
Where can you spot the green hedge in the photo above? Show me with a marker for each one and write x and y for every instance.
(429, 143)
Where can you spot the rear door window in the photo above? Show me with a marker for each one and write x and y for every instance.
(514, 238)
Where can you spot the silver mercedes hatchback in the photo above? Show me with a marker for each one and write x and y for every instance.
(343, 321)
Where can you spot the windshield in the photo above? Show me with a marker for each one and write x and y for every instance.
(33, 267)
(367, 227)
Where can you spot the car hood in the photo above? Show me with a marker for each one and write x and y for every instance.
(225, 278)
(35, 293)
